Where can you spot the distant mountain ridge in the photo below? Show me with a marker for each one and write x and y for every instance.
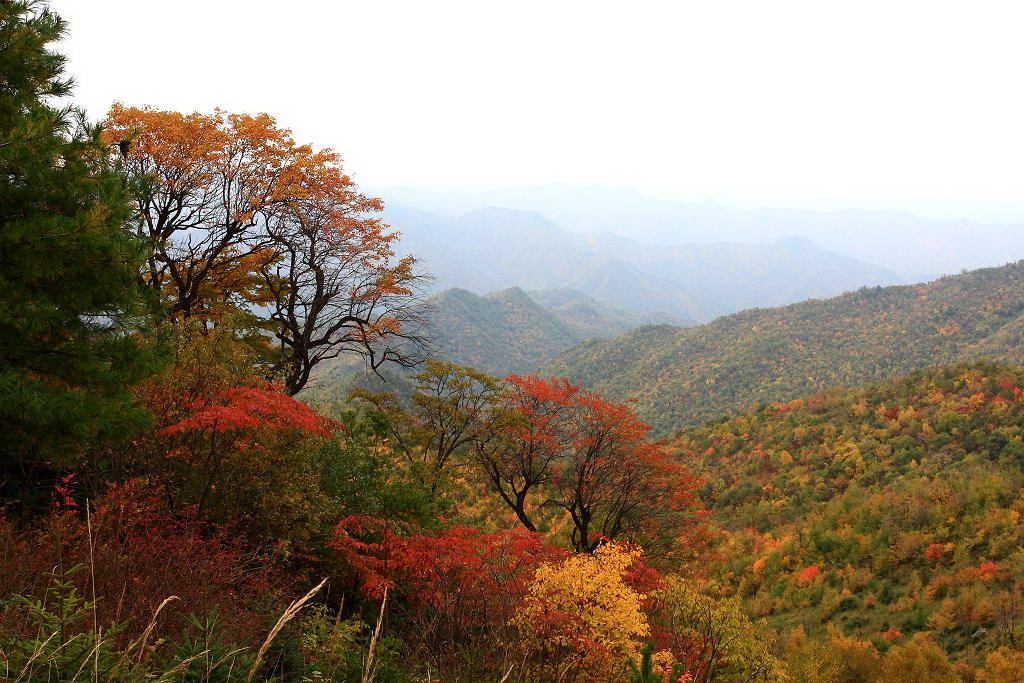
(504, 332)
(687, 376)
(490, 249)
(917, 248)
(593, 318)
(511, 332)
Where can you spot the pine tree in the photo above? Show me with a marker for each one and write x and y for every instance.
(70, 296)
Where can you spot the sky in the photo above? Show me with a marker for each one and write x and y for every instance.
(894, 104)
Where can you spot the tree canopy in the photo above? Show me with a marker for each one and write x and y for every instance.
(70, 298)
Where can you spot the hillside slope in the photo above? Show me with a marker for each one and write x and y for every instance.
(501, 333)
(686, 376)
(895, 507)
(597, 319)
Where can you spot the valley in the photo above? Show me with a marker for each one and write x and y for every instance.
(671, 343)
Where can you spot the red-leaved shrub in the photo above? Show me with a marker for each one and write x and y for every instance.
(141, 554)
(460, 587)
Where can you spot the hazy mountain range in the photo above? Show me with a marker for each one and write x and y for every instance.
(491, 249)
(916, 248)
(781, 323)
(510, 332)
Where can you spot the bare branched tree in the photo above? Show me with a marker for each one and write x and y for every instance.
(336, 287)
(241, 219)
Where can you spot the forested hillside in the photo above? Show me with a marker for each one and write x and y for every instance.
(504, 332)
(170, 511)
(501, 333)
(593, 318)
(687, 376)
(885, 511)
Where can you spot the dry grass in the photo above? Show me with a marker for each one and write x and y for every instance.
(369, 669)
(289, 614)
(130, 660)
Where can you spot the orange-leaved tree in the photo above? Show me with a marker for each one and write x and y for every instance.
(557, 446)
(519, 450)
(240, 216)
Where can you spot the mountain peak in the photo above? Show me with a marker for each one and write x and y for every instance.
(512, 294)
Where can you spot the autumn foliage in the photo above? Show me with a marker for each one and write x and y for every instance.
(240, 218)
(559, 446)
(552, 452)
(223, 439)
(459, 588)
(471, 528)
(582, 617)
(139, 553)
(807, 575)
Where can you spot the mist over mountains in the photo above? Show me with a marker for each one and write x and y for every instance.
(515, 292)
(259, 421)
(489, 249)
(914, 247)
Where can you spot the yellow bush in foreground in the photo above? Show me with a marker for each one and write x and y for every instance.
(581, 619)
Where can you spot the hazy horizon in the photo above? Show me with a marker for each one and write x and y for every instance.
(796, 104)
(990, 213)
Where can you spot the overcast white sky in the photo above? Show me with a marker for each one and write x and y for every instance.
(818, 103)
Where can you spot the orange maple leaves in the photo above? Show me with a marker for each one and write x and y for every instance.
(188, 154)
(239, 216)
(221, 181)
(572, 449)
(808, 575)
